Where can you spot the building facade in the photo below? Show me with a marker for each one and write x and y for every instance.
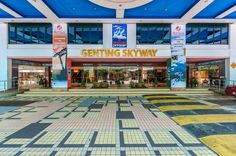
(117, 50)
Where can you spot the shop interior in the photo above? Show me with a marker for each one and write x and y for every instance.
(123, 74)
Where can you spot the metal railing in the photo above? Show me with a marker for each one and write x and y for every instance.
(10, 84)
(3, 85)
(220, 85)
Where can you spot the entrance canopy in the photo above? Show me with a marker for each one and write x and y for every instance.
(130, 10)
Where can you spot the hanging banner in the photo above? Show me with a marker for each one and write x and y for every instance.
(59, 58)
(119, 35)
(178, 58)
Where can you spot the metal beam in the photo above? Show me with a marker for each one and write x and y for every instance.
(105, 20)
(44, 9)
(202, 4)
(227, 12)
(9, 11)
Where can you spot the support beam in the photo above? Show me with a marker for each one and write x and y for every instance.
(202, 4)
(9, 11)
(44, 9)
(227, 12)
(120, 13)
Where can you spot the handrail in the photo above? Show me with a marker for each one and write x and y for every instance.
(221, 84)
(4, 84)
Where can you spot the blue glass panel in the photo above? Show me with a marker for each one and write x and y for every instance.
(153, 34)
(85, 34)
(25, 33)
(207, 34)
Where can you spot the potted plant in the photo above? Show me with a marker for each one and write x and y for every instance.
(194, 82)
(41, 83)
(155, 83)
(118, 83)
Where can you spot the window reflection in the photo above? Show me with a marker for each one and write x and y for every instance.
(85, 33)
(30, 33)
(207, 34)
(153, 34)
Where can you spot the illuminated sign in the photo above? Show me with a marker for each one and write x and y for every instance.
(119, 52)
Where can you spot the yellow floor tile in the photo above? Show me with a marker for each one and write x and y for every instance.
(224, 145)
(212, 118)
(185, 107)
(169, 101)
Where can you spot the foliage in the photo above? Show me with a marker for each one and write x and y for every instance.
(138, 85)
(100, 84)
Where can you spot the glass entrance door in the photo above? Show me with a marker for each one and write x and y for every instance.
(117, 74)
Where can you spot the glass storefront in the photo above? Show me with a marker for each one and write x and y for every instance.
(118, 74)
(27, 75)
(31, 76)
(206, 72)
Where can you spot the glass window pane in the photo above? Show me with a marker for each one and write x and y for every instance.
(210, 35)
(224, 34)
(166, 35)
(217, 34)
(41, 35)
(20, 35)
(85, 34)
(203, 35)
(79, 35)
(153, 34)
(30, 33)
(48, 38)
(12, 35)
(27, 35)
(71, 34)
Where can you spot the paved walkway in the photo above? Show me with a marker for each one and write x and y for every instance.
(101, 126)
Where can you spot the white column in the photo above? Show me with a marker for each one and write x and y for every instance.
(232, 44)
(3, 55)
(9, 73)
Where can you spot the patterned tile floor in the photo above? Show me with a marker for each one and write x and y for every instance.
(94, 126)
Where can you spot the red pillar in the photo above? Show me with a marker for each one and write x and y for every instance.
(69, 72)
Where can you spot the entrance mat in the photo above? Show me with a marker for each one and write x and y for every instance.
(223, 102)
(15, 103)
(197, 119)
(224, 145)
(202, 130)
(197, 112)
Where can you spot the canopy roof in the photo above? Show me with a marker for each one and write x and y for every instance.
(130, 10)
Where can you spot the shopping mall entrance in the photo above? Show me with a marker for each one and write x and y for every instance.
(119, 75)
(28, 73)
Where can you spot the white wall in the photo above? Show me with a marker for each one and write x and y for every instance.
(232, 41)
(3, 55)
